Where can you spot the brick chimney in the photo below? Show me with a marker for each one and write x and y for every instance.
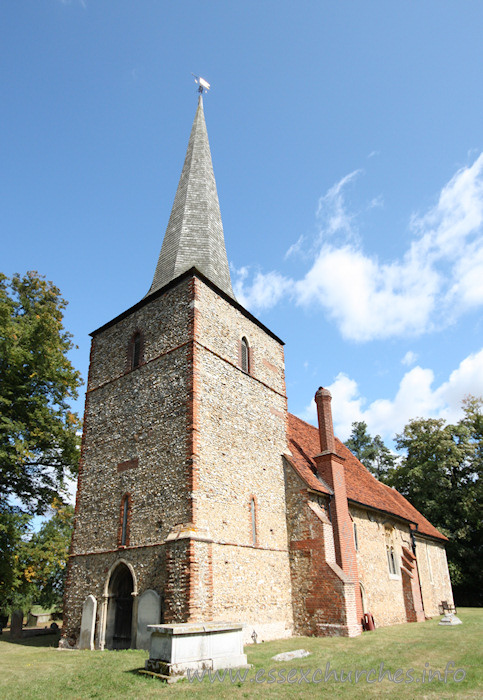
(330, 467)
(324, 415)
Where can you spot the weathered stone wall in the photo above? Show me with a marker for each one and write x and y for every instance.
(240, 421)
(164, 323)
(252, 585)
(140, 416)
(88, 575)
(433, 574)
(383, 591)
(135, 440)
(220, 327)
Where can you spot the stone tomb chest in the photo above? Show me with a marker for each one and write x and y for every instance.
(176, 649)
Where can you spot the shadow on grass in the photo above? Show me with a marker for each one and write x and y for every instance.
(51, 639)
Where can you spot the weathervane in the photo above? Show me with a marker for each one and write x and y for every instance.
(203, 85)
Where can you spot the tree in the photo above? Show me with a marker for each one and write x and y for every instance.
(15, 592)
(441, 475)
(33, 565)
(38, 430)
(372, 452)
(46, 556)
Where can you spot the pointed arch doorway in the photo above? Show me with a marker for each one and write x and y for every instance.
(120, 604)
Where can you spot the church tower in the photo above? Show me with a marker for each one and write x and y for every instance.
(180, 512)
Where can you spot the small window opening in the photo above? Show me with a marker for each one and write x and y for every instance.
(430, 568)
(125, 509)
(356, 541)
(254, 521)
(136, 351)
(391, 552)
(391, 560)
(245, 356)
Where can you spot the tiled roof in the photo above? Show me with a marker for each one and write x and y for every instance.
(362, 487)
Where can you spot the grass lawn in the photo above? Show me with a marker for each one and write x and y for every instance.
(34, 668)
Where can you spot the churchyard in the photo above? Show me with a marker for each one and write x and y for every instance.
(33, 668)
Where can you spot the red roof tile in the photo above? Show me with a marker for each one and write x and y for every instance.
(303, 440)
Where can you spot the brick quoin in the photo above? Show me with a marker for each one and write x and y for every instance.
(193, 403)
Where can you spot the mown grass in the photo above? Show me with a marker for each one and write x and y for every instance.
(35, 669)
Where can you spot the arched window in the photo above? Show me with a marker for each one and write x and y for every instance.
(125, 516)
(245, 355)
(136, 351)
(253, 517)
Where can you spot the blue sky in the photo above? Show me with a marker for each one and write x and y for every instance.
(347, 143)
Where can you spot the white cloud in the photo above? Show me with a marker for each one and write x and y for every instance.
(409, 358)
(368, 300)
(466, 379)
(265, 291)
(332, 213)
(438, 278)
(295, 248)
(376, 202)
(416, 397)
(467, 285)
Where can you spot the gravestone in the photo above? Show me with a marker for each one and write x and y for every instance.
(16, 623)
(289, 655)
(149, 612)
(88, 623)
(450, 619)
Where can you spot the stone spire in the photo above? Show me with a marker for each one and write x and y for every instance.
(194, 237)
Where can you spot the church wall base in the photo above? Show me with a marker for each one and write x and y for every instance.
(328, 630)
(256, 632)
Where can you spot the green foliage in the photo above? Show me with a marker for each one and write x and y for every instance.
(38, 431)
(46, 556)
(15, 592)
(372, 452)
(441, 475)
(33, 565)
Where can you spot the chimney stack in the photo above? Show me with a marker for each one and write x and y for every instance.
(330, 467)
(324, 415)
